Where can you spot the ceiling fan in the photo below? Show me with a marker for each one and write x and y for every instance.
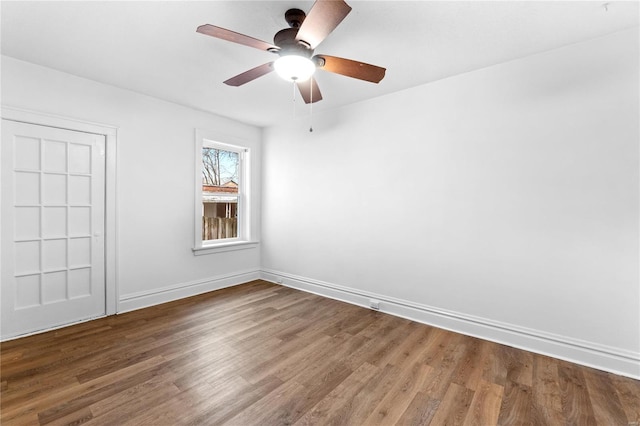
(296, 45)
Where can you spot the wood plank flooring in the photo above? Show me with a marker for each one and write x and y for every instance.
(262, 354)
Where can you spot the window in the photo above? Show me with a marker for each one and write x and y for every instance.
(222, 201)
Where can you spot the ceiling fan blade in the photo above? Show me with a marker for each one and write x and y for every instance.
(224, 34)
(306, 87)
(351, 68)
(324, 17)
(250, 75)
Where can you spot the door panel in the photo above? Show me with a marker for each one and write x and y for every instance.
(52, 240)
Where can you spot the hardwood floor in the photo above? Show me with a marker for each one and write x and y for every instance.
(261, 354)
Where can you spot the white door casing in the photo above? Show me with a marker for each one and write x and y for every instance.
(53, 223)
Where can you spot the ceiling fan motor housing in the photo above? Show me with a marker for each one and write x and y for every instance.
(286, 41)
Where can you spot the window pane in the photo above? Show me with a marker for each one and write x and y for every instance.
(220, 188)
(219, 227)
(219, 167)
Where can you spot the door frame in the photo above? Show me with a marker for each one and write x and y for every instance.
(110, 134)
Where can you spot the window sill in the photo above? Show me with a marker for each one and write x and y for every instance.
(223, 247)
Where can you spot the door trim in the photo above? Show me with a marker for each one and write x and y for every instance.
(110, 134)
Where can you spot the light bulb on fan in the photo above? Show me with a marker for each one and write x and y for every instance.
(294, 67)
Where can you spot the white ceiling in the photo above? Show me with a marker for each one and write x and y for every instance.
(152, 47)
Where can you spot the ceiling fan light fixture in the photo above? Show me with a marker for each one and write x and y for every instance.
(294, 67)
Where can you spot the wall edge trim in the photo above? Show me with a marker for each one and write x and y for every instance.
(145, 299)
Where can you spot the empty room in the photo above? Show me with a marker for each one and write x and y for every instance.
(320, 212)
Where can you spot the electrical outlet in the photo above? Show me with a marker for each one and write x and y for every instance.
(374, 304)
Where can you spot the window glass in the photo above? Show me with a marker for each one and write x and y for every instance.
(221, 186)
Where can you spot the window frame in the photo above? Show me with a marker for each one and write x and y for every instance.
(244, 238)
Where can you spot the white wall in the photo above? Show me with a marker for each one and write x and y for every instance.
(155, 177)
(501, 203)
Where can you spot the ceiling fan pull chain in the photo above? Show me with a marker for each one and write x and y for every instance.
(294, 99)
(311, 107)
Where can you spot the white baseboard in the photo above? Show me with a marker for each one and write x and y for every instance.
(613, 360)
(134, 301)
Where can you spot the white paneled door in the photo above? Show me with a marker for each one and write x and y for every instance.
(52, 240)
